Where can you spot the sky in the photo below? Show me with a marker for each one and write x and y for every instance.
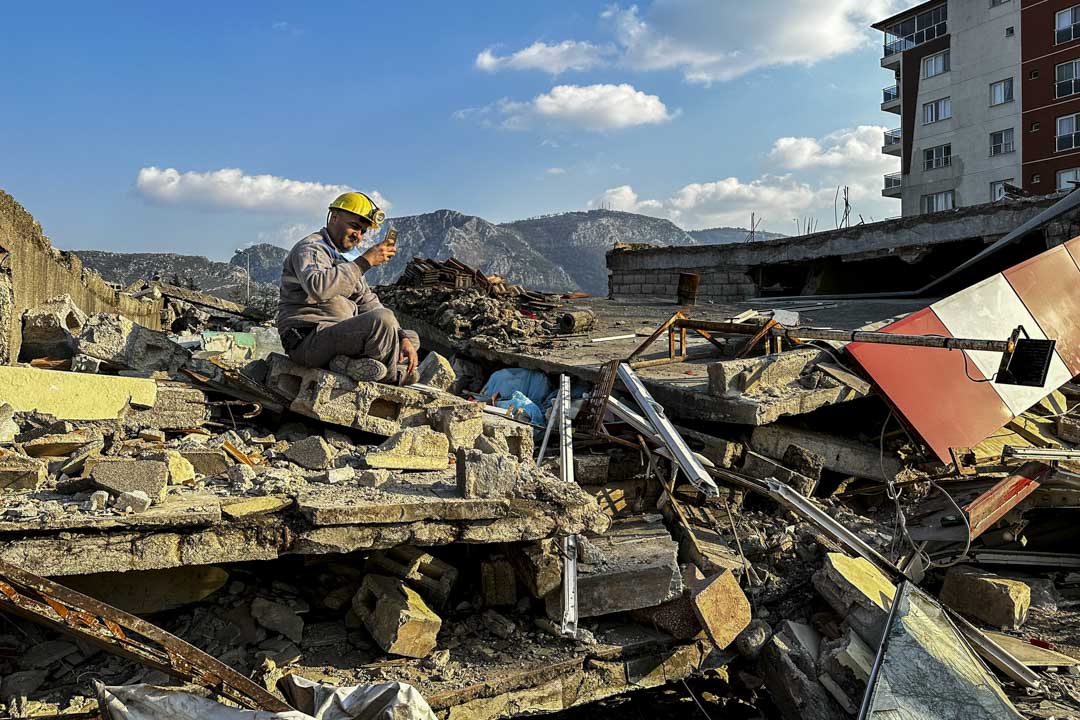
(200, 128)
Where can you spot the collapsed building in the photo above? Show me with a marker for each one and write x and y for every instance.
(584, 498)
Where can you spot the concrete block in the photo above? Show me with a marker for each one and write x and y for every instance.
(19, 472)
(121, 475)
(49, 330)
(74, 396)
(485, 475)
(634, 565)
(751, 375)
(722, 608)
(858, 592)
(333, 398)
(396, 616)
(676, 617)
(414, 448)
(58, 445)
(250, 507)
(278, 618)
(373, 478)
(538, 565)
(176, 407)
(132, 501)
(1068, 429)
(150, 591)
(312, 453)
(790, 674)
(805, 462)
(462, 423)
(998, 601)
(436, 371)
(498, 583)
(207, 462)
(762, 467)
(518, 437)
(117, 340)
(425, 573)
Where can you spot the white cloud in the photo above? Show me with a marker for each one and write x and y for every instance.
(712, 40)
(552, 59)
(850, 157)
(591, 107)
(555, 171)
(231, 188)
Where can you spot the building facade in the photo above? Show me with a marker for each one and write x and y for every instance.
(984, 91)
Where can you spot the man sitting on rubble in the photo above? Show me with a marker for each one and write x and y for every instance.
(326, 308)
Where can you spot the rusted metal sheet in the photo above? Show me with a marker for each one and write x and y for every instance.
(43, 601)
(929, 389)
(1047, 286)
(996, 502)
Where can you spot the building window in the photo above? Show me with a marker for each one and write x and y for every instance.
(997, 189)
(1068, 136)
(936, 202)
(1010, 31)
(995, 3)
(937, 157)
(1035, 127)
(916, 30)
(1001, 92)
(937, 110)
(1001, 142)
(1066, 178)
(936, 64)
(1067, 25)
(1036, 179)
(1067, 78)
(1033, 75)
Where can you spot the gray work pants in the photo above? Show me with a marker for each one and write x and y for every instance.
(374, 334)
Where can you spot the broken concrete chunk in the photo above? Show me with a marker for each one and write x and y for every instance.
(753, 375)
(518, 437)
(498, 583)
(804, 462)
(396, 616)
(57, 445)
(99, 499)
(424, 572)
(255, 506)
(20, 684)
(121, 475)
(19, 472)
(415, 448)
(152, 435)
(118, 340)
(790, 673)
(180, 470)
(538, 565)
(997, 601)
(335, 476)
(43, 654)
(762, 467)
(857, 591)
(177, 407)
(207, 462)
(49, 330)
(492, 445)
(462, 423)
(278, 618)
(845, 665)
(436, 371)
(132, 501)
(85, 364)
(312, 453)
(485, 475)
(722, 608)
(373, 478)
(71, 396)
(499, 624)
(8, 427)
(677, 617)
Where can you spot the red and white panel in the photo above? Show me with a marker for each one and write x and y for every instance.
(945, 402)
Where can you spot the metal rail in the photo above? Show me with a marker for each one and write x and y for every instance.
(59, 608)
(569, 626)
(662, 427)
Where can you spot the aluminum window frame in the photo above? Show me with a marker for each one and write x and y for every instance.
(1008, 93)
(1007, 144)
(935, 160)
(937, 112)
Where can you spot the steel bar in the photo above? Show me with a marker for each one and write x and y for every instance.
(1011, 452)
(591, 416)
(654, 411)
(43, 601)
(569, 626)
(1025, 558)
(547, 432)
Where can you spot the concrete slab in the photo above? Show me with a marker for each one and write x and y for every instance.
(74, 396)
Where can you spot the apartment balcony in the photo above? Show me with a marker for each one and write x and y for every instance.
(890, 99)
(892, 144)
(892, 186)
(895, 45)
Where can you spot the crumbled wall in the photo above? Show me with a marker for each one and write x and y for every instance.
(38, 272)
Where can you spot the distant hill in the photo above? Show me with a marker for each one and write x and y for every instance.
(722, 235)
(552, 253)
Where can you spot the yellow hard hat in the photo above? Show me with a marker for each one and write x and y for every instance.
(360, 204)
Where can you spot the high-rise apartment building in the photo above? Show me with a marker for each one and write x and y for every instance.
(988, 94)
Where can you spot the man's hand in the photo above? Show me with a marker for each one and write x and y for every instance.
(408, 353)
(380, 253)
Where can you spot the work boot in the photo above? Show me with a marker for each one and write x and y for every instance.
(366, 370)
